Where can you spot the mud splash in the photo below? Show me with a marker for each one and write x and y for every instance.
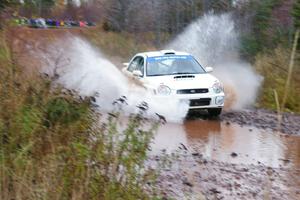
(81, 67)
(214, 40)
(230, 143)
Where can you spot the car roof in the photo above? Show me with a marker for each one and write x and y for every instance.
(162, 53)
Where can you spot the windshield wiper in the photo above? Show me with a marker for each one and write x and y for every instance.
(158, 75)
(182, 73)
(177, 73)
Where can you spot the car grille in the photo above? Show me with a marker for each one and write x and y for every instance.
(200, 102)
(184, 76)
(193, 91)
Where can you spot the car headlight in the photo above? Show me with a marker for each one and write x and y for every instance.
(217, 87)
(163, 90)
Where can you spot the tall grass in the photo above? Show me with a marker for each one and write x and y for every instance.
(53, 145)
(290, 70)
(273, 67)
(281, 108)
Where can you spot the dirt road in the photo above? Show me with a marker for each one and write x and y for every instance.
(239, 156)
(264, 119)
(194, 177)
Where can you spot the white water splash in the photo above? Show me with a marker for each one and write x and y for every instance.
(84, 69)
(214, 41)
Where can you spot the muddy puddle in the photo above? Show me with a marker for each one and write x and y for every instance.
(230, 143)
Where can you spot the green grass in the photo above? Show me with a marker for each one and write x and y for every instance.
(53, 145)
(273, 66)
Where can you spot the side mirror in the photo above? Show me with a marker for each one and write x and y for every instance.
(137, 73)
(126, 64)
(124, 69)
(209, 69)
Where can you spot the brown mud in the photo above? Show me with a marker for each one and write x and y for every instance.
(264, 119)
(230, 158)
(194, 177)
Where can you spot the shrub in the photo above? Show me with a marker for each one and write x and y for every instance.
(55, 146)
(273, 66)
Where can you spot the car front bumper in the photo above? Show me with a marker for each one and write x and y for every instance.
(199, 101)
(203, 101)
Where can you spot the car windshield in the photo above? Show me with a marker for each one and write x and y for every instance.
(172, 65)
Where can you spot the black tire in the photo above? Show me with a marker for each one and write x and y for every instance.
(214, 112)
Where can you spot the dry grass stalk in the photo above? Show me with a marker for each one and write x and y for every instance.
(290, 70)
(281, 108)
(279, 116)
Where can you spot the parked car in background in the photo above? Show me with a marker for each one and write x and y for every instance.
(90, 23)
(82, 23)
(68, 23)
(51, 23)
(37, 23)
(74, 23)
(179, 75)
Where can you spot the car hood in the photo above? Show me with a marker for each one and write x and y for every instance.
(182, 81)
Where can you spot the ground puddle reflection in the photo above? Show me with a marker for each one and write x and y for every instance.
(221, 141)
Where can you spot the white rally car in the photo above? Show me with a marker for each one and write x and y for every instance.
(179, 75)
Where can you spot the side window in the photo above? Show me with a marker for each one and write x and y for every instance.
(140, 66)
(137, 64)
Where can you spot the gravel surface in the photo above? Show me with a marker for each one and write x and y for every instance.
(193, 177)
(264, 119)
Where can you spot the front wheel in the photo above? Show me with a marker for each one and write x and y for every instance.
(214, 112)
